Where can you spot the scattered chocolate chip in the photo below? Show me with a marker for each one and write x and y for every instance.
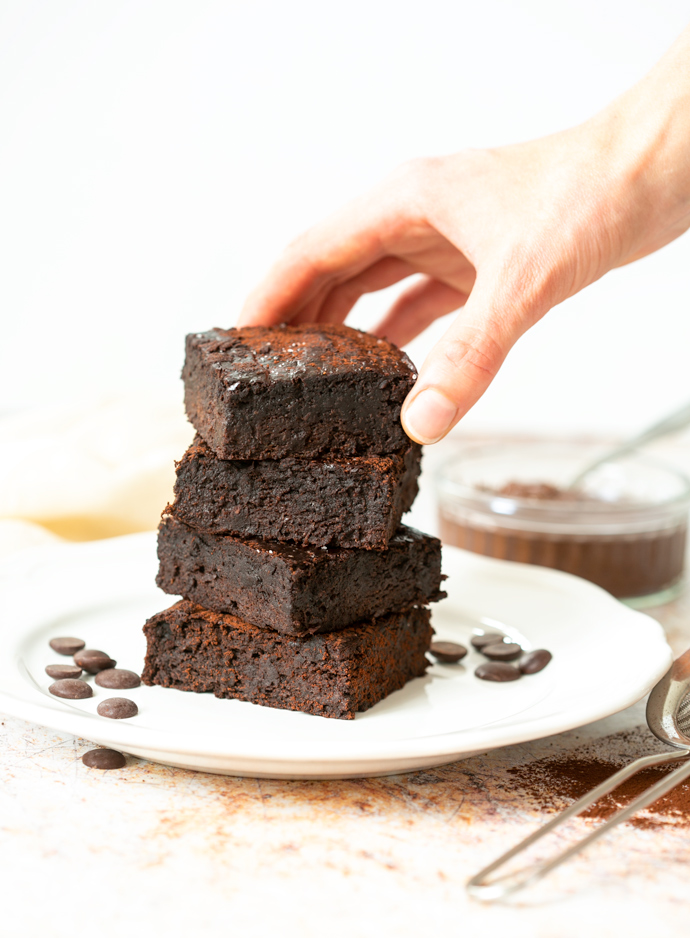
(59, 672)
(117, 708)
(447, 652)
(502, 651)
(117, 679)
(66, 646)
(93, 661)
(535, 661)
(486, 638)
(104, 759)
(497, 671)
(71, 689)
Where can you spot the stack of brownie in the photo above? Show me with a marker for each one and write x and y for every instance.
(301, 588)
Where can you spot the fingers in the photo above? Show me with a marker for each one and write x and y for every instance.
(384, 273)
(463, 364)
(333, 303)
(338, 250)
(416, 308)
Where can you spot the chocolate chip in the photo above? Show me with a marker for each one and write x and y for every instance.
(71, 689)
(117, 708)
(61, 671)
(117, 679)
(502, 651)
(497, 671)
(93, 661)
(104, 759)
(66, 646)
(486, 638)
(447, 652)
(535, 661)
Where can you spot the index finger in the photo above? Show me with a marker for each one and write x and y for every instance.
(337, 249)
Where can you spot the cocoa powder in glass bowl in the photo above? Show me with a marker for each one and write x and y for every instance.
(624, 530)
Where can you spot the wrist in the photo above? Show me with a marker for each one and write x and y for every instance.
(644, 136)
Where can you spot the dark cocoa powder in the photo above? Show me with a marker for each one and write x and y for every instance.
(557, 782)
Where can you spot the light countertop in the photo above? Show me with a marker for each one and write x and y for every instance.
(154, 850)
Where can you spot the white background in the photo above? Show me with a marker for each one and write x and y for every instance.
(156, 155)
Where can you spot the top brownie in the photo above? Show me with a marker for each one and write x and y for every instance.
(309, 390)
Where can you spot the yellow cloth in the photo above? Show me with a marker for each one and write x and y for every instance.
(89, 470)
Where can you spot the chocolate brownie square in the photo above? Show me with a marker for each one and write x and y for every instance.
(297, 590)
(335, 674)
(356, 502)
(308, 390)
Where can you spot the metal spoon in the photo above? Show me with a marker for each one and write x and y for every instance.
(678, 420)
(668, 717)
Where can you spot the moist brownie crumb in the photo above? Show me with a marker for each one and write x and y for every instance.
(335, 674)
(296, 590)
(344, 502)
(308, 390)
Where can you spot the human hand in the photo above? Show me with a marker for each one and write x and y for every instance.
(506, 234)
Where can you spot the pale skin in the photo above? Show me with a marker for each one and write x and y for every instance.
(502, 235)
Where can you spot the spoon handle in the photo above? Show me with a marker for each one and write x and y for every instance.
(482, 887)
(674, 422)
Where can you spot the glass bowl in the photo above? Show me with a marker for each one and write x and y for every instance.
(624, 528)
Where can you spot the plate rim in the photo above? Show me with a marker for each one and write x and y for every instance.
(443, 746)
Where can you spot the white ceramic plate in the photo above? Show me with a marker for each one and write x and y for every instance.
(606, 657)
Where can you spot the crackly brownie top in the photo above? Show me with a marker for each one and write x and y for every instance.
(276, 353)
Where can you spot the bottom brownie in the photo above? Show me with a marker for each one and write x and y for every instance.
(333, 674)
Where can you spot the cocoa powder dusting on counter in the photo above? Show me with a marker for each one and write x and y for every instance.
(554, 783)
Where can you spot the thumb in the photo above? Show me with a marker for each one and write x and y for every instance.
(460, 367)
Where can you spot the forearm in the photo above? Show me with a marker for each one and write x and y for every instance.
(506, 234)
(646, 135)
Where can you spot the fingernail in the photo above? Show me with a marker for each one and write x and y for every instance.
(429, 416)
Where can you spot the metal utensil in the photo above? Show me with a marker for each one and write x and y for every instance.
(668, 717)
(678, 420)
